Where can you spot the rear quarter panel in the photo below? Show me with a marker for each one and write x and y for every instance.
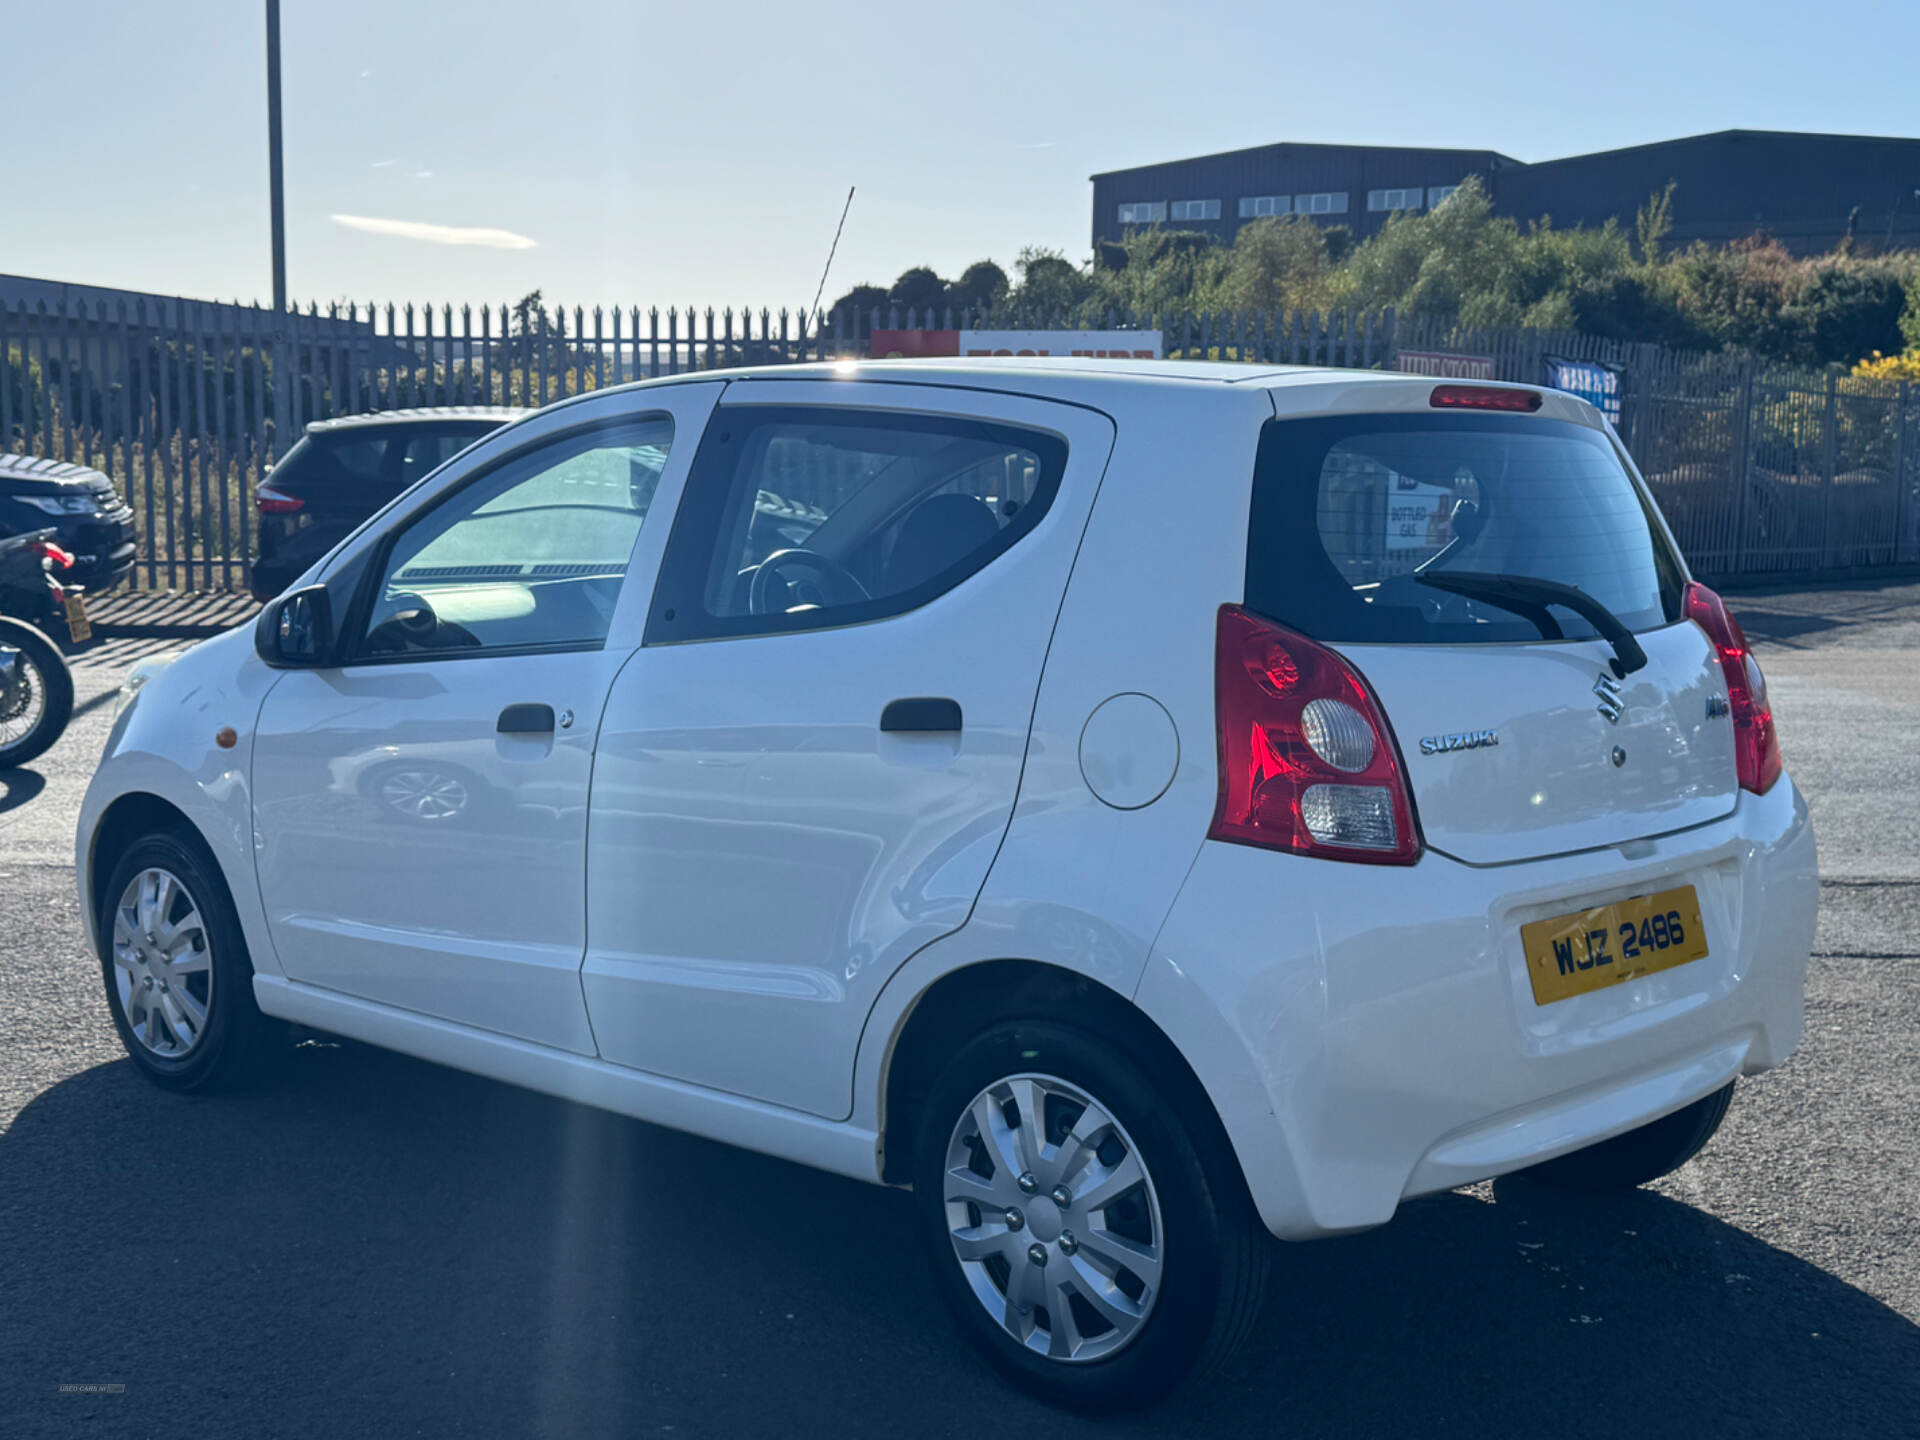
(1079, 883)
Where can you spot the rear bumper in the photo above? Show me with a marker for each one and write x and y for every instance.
(1370, 1034)
(104, 551)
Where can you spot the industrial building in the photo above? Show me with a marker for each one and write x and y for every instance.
(1808, 191)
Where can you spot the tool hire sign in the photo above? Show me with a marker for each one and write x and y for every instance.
(1111, 344)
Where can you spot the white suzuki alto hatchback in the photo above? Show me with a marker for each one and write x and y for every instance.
(1139, 806)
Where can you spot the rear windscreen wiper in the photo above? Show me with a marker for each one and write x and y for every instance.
(1529, 598)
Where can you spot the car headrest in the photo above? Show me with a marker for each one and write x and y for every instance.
(937, 533)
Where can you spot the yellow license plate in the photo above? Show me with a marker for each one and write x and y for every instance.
(78, 626)
(1611, 944)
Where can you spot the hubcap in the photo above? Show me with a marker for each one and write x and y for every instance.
(162, 968)
(1029, 1148)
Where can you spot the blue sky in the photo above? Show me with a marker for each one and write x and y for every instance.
(624, 152)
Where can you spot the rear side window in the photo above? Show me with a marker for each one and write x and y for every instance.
(802, 518)
(339, 459)
(427, 450)
(1353, 514)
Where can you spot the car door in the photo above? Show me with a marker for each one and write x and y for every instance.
(420, 810)
(805, 773)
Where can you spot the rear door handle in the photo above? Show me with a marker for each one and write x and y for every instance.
(924, 715)
(526, 720)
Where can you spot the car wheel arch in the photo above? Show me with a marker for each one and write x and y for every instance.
(136, 813)
(968, 999)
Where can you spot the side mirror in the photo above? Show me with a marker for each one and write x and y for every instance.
(295, 632)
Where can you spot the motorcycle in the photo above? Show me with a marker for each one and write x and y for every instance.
(36, 687)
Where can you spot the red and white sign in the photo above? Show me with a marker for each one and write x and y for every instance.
(1104, 344)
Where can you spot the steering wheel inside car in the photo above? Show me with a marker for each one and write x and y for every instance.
(412, 625)
(829, 583)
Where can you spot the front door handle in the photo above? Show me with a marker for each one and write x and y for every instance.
(526, 720)
(923, 715)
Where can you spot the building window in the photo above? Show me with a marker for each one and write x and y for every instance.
(1196, 209)
(1329, 202)
(1252, 205)
(1438, 193)
(1394, 199)
(1143, 212)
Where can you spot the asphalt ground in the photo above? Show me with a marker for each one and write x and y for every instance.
(373, 1246)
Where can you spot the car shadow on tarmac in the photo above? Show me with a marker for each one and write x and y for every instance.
(370, 1245)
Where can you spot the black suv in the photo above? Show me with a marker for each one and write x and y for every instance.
(342, 471)
(90, 519)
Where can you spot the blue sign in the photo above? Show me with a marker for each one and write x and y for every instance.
(1594, 381)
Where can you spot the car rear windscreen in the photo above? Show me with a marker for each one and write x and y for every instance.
(1351, 514)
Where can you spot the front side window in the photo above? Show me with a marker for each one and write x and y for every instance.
(801, 519)
(531, 555)
(1354, 515)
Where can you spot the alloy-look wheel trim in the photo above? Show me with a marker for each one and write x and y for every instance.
(1054, 1218)
(162, 966)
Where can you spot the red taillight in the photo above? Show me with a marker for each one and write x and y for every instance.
(1307, 761)
(1483, 397)
(276, 502)
(1756, 743)
(50, 551)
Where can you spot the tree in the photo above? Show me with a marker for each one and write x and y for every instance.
(918, 289)
(1842, 312)
(862, 298)
(1165, 270)
(1049, 283)
(856, 307)
(1735, 295)
(1278, 263)
(1653, 222)
(983, 285)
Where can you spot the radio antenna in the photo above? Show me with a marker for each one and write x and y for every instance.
(832, 250)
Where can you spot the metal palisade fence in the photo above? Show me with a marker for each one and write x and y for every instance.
(1760, 469)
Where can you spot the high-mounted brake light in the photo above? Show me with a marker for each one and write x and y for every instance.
(1483, 397)
(1307, 761)
(1756, 743)
(276, 502)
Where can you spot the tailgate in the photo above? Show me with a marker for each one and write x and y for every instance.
(1526, 750)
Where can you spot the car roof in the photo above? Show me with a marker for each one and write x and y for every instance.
(1070, 376)
(1014, 371)
(495, 414)
(37, 467)
(1097, 382)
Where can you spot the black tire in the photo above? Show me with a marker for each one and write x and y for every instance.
(236, 1044)
(1209, 1295)
(1657, 1148)
(52, 680)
